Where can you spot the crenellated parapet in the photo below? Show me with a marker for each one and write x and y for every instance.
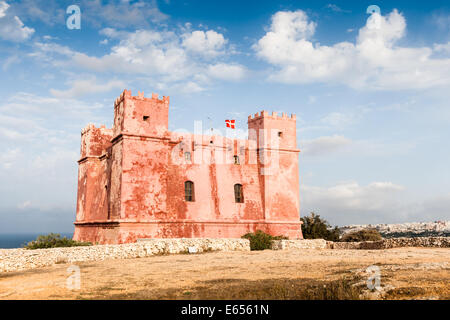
(95, 141)
(126, 94)
(123, 95)
(139, 115)
(273, 116)
(273, 131)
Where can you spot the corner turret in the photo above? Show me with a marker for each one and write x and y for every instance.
(139, 115)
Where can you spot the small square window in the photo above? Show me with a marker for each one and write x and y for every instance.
(145, 118)
(280, 134)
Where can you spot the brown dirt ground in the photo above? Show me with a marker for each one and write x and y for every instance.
(415, 273)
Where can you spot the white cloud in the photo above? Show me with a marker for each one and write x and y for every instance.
(40, 139)
(11, 27)
(336, 8)
(24, 205)
(8, 157)
(187, 87)
(97, 13)
(351, 148)
(48, 12)
(373, 62)
(14, 59)
(352, 196)
(324, 145)
(209, 43)
(377, 202)
(442, 21)
(43, 50)
(142, 52)
(38, 120)
(167, 59)
(338, 119)
(350, 202)
(312, 99)
(227, 71)
(89, 86)
(445, 47)
(3, 7)
(122, 13)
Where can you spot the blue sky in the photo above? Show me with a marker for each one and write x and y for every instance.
(370, 93)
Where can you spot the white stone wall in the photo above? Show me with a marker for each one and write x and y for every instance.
(22, 259)
(299, 244)
(424, 242)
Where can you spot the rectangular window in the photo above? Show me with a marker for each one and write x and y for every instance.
(236, 159)
(187, 156)
(189, 191)
(238, 194)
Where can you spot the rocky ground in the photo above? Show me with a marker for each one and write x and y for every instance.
(404, 273)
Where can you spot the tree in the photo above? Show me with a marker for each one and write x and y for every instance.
(314, 227)
(362, 235)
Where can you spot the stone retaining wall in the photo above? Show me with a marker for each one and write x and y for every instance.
(430, 242)
(21, 259)
(299, 244)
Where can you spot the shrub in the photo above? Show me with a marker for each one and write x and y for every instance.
(260, 240)
(362, 235)
(314, 227)
(53, 240)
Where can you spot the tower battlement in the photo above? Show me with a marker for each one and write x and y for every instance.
(91, 127)
(274, 115)
(141, 96)
(141, 115)
(95, 141)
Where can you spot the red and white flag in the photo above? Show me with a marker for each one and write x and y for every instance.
(230, 123)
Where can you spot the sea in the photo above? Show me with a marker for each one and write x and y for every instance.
(8, 241)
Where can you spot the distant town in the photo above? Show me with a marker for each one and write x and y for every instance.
(409, 229)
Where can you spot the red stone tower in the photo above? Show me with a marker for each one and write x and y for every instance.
(278, 164)
(132, 178)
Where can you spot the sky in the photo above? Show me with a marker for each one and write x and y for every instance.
(370, 91)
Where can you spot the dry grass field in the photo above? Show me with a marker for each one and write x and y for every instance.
(406, 273)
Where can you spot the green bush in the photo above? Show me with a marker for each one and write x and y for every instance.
(362, 235)
(314, 227)
(260, 240)
(53, 240)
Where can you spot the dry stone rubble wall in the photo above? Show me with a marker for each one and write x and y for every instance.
(22, 259)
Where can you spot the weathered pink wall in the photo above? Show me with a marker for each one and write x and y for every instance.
(93, 174)
(131, 178)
